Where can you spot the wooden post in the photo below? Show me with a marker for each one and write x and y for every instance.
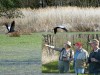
(97, 37)
(51, 37)
(88, 39)
(73, 39)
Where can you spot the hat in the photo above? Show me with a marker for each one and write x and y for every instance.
(68, 43)
(94, 41)
(78, 44)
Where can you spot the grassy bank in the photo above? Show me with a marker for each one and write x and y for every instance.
(20, 55)
(19, 48)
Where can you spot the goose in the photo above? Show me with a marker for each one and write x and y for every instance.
(61, 27)
(11, 31)
(11, 27)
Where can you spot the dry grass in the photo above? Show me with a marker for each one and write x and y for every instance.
(37, 20)
(14, 34)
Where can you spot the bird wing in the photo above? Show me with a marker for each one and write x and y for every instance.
(55, 30)
(12, 26)
(65, 29)
(61, 26)
(8, 28)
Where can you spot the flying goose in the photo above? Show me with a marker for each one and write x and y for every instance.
(11, 27)
(61, 27)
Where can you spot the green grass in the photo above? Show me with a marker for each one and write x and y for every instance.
(52, 67)
(19, 48)
(20, 55)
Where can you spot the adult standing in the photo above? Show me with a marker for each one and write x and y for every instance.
(94, 58)
(66, 55)
(80, 58)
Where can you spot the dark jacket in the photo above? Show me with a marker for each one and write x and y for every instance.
(94, 67)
